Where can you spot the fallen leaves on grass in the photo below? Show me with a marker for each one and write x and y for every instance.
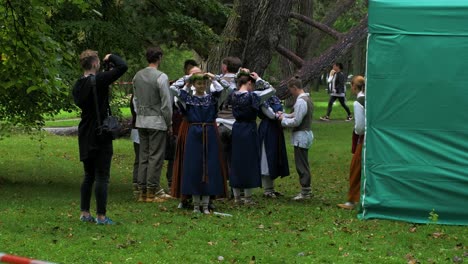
(438, 235)
(127, 243)
(411, 259)
(457, 259)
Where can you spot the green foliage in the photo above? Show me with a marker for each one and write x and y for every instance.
(34, 65)
(194, 24)
(40, 42)
(352, 17)
(128, 27)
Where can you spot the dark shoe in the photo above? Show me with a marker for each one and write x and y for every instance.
(106, 221)
(211, 206)
(269, 194)
(249, 201)
(278, 194)
(325, 118)
(237, 200)
(349, 118)
(87, 219)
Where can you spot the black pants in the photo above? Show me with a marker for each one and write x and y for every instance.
(96, 170)
(136, 162)
(225, 135)
(342, 102)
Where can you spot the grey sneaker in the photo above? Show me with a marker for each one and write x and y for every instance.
(87, 219)
(162, 195)
(206, 210)
(347, 205)
(196, 209)
(301, 196)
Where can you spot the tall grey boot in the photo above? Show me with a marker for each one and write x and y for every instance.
(196, 203)
(205, 203)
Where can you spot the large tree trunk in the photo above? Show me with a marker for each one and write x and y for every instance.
(256, 27)
(253, 33)
(304, 38)
(234, 34)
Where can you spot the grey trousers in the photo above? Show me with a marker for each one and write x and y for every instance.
(301, 158)
(152, 148)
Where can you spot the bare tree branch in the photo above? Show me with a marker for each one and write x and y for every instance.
(290, 55)
(338, 9)
(322, 27)
(314, 67)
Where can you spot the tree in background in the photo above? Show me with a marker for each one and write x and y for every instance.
(256, 34)
(40, 40)
(33, 64)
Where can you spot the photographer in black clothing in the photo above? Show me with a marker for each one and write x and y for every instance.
(95, 150)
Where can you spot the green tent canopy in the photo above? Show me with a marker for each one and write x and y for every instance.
(415, 156)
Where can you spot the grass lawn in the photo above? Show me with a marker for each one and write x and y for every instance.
(39, 209)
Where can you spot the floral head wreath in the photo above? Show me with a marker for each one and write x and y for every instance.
(243, 73)
(198, 77)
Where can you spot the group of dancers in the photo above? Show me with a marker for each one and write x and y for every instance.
(219, 142)
(216, 141)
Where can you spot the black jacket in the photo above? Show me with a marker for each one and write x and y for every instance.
(84, 99)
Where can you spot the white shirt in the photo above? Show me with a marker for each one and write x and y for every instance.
(359, 116)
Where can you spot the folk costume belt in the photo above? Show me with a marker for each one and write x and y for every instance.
(205, 147)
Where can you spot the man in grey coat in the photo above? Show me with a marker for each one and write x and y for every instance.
(154, 119)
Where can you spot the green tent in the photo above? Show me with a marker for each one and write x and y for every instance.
(415, 156)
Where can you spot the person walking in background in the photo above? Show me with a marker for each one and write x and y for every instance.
(245, 163)
(300, 120)
(95, 150)
(274, 159)
(358, 88)
(154, 119)
(337, 91)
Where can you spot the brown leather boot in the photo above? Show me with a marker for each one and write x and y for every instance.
(142, 194)
(150, 194)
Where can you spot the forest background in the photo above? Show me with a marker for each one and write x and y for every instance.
(40, 41)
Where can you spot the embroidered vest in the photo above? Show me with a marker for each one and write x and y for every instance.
(307, 120)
